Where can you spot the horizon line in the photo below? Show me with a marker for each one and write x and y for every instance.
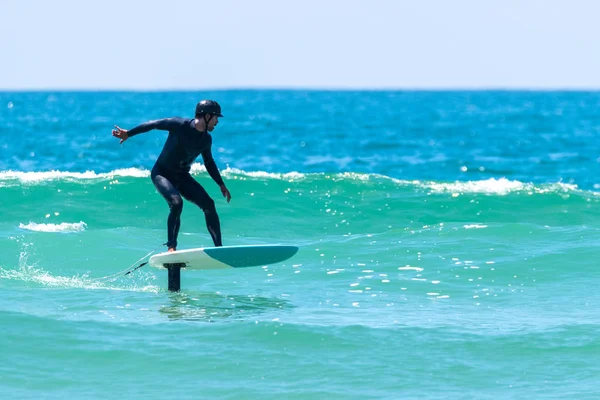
(310, 89)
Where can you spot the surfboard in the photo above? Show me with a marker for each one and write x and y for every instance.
(206, 258)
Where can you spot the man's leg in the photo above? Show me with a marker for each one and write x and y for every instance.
(194, 192)
(168, 190)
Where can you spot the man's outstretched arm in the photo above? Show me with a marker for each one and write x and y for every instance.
(164, 124)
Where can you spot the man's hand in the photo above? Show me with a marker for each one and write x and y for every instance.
(120, 134)
(225, 192)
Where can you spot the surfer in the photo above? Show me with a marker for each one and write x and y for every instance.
(188, 138)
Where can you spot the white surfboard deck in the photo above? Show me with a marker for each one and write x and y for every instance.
(206, 258)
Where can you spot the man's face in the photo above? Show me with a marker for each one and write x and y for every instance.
(212, 123)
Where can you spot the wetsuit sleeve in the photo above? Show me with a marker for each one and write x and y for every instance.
(211, 167)
(165, 124)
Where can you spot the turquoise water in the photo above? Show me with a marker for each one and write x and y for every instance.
(448, 248)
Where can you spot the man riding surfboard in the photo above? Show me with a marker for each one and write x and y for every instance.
(188, 138)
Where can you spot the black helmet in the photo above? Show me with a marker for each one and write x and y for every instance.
(209, 107)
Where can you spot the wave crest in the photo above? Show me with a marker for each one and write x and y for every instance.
(492, 186)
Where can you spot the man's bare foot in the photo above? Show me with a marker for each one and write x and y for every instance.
(171, 249)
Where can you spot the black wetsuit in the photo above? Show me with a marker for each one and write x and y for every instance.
(171, 172)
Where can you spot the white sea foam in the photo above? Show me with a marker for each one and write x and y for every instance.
(62, 227)
(256, 174)
(39, 276)
(500, 186)
(491, 186)
(26, 177)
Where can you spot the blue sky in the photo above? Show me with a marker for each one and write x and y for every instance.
(197, 44)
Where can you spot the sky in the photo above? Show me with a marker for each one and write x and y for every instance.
(329, 44)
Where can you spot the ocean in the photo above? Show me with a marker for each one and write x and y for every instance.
(448, 247)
